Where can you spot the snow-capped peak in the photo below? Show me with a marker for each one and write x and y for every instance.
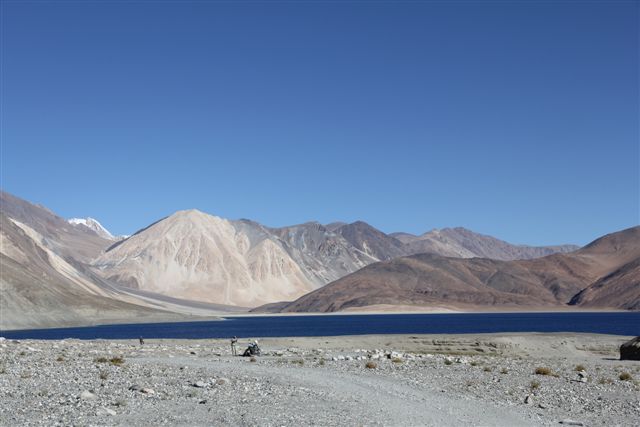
(94, 225)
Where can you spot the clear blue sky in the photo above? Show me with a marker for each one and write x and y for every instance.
(516, 119)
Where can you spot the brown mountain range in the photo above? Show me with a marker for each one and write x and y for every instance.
(602, 274)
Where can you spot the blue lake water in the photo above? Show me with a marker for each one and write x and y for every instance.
(620, 323)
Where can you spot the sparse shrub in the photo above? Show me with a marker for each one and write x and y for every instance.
(101, 360)
(534, 385)
(120, 402)
(580, 368)
(321, 362)
(473, 363)
(448, 362)
(3, 370)
(22, 353)
(60, 359)
(487, 369)
(103, 375)
(624, 376)
(504, 371)
(116, 361)
(25, 374)
(253, 359)
(298, 362)
(371, 365)
(396, 360)
(543, 371)
(603, 381)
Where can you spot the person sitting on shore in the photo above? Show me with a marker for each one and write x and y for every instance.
(252, 349)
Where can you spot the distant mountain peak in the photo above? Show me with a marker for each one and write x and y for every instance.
(94, 225)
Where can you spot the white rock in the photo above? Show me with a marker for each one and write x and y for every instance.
(87, 395)
(105, 412)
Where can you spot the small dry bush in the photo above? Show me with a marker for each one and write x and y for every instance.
(487, 369)
(603, 381)
(116, 361)
(396, 360)
(534, 385)
(103, 375)
(101, 360)
(448, 362)
(253, 359)
(624, 376)
(60, 359)
(580, 368)
(543, 371)
(321, 362)
(371, 365)
(504, 371)
(473, 363)
(298, 362)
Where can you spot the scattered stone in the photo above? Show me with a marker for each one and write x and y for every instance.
(101, 412)
(528, 400)
(569, 422)
(222, 381)
(630, 350)
(202, 402)
(87, 395)
(199, 384)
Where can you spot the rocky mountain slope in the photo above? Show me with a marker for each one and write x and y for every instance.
(80, 243)
(462, 243)
(608, 264)
(39, 288)
(45, 280)
(202, 257)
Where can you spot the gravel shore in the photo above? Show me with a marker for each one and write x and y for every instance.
(410, 380)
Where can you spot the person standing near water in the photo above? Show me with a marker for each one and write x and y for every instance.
(234, 340)
(141, 341)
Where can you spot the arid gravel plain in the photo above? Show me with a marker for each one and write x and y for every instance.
(394, 380)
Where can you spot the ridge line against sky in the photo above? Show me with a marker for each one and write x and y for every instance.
(518, 120)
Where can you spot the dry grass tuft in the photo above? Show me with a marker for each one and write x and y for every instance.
(534, 385)
(371, 365)
(101, 360)
(253, 359)
(103, 375)
(580, 368)
(625, 376)
(544, 371)
(116, 361)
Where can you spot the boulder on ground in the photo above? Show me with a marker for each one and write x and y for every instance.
(630, 350)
